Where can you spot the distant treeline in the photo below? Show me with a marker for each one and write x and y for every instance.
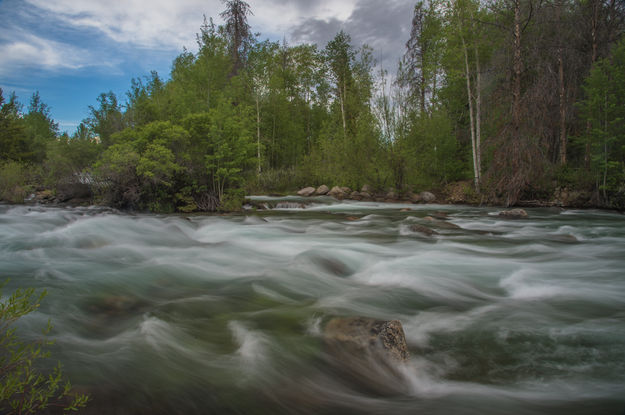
(519, 99)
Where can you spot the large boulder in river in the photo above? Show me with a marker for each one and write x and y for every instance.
(322, 190)
(307, 191)
(514, 214)
(427, 197)
(367, 337)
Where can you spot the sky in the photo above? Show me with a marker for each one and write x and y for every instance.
(73, 50)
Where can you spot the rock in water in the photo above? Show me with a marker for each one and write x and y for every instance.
(322, 190)
(307, 191)
(514, 214)
(367, 337)
(423, 229)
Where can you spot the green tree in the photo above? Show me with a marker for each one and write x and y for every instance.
(106, 120)
(604, 111)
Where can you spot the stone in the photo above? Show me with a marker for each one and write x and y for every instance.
(355, 195)
(322, 190)
(307, 191)
(336, 192)
(423, 230)
(290, 205)
(368, 337)
(366, 189)
(514, 214)
(427, 197)
(72, 191)
(413, 197)
(391, 195)
(346, 190)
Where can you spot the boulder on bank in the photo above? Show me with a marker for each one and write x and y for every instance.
(67, 192)
(392, 195)
(367, 337)
(366, 189)
(336, 192)
(307, 191)
(514, 214)
(322, 190)
(427, 197)
(413, 197)
(355, 195)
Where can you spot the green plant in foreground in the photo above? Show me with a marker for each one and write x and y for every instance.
(24, 389)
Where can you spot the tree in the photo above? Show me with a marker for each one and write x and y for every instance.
(340, 56)
(40, 128)
(421, 60)
(238, 31)
(604, 111)
(13, 142)
(24, 389)
(107, 119)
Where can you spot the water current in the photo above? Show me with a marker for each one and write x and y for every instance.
(167, 314)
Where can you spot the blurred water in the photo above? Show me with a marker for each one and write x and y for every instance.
(225, 314)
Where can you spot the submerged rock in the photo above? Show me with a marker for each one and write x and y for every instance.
(307, 191)
(441, 223)
(290, 205)
(367, 337)
(514, 214)
(322, 190)
(423, 230)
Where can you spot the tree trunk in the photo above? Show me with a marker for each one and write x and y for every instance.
(467, 73)
(342, 99)
(517, 68)
(258, 132)
(594, 24)
(563, 138)
(478, 117)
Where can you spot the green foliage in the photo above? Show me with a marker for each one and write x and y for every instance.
(604, 112)
(15, 181)
(24, 389)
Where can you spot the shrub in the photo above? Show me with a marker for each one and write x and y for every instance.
(23, 388)
(14, 182)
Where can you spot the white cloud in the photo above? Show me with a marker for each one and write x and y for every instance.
(146, 24)
(27, 50)
(173, 24)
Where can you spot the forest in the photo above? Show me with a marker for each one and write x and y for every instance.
(506, 100)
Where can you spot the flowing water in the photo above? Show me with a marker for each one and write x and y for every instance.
(225, 314)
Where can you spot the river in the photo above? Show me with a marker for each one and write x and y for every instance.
(166, 314)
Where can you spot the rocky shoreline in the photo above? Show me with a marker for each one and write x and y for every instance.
(458, 193)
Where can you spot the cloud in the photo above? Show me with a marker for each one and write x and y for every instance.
(27, 50)
(385, 26)
(154, 24)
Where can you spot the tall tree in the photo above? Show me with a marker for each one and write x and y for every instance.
(238, 31)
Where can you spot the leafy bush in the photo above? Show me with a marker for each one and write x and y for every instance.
(23, 388)
(14, 182)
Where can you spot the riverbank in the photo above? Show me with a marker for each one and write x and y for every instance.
(457, 193)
